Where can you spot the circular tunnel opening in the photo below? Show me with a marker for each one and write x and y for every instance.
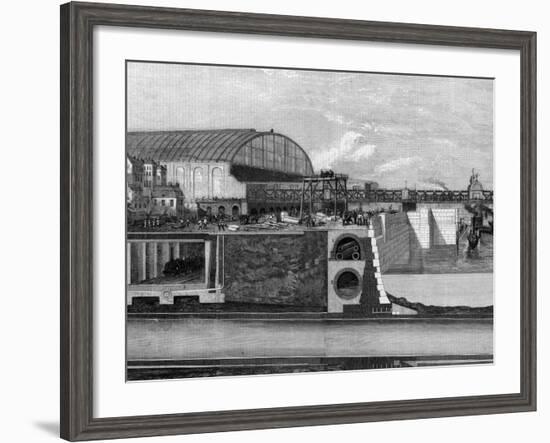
(348, 284)
(348, 249)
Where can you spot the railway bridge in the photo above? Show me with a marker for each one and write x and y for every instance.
(333, 194)
(277, 194)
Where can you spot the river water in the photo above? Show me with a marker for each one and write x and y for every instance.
(474, 290)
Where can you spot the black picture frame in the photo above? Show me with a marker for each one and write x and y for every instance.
(77, 23)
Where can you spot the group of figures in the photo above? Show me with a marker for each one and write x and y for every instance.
(204, 222)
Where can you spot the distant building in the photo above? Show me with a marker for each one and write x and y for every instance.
(217, 169)
(134, 171)
(147, 193)
(154, 174)
(475, 188)
(167, 200)
(367, 185)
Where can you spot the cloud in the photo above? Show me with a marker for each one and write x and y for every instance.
(353, 147)
(337, 118)
(369, 126)
(396, 164)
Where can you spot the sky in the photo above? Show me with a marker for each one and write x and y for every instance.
(421, 131)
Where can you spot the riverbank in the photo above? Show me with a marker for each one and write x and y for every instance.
(438, 311)
(474, 290)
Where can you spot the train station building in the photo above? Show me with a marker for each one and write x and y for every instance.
(219, 171)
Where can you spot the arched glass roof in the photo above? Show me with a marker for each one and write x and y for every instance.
(267, 150)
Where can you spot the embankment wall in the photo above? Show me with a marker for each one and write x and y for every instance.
(392, 233)
(400, 234)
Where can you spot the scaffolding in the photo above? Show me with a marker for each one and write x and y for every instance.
(327, 188)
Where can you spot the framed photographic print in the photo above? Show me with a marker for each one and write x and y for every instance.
(272, 221)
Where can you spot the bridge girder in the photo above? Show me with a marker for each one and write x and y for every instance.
(328, 194)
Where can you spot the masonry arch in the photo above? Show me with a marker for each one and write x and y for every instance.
(348, 247)
(198, 183)
(235, 211)
(217, 182)
(180, 177)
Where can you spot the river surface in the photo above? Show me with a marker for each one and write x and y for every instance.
(188, 338)
(474, 290)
